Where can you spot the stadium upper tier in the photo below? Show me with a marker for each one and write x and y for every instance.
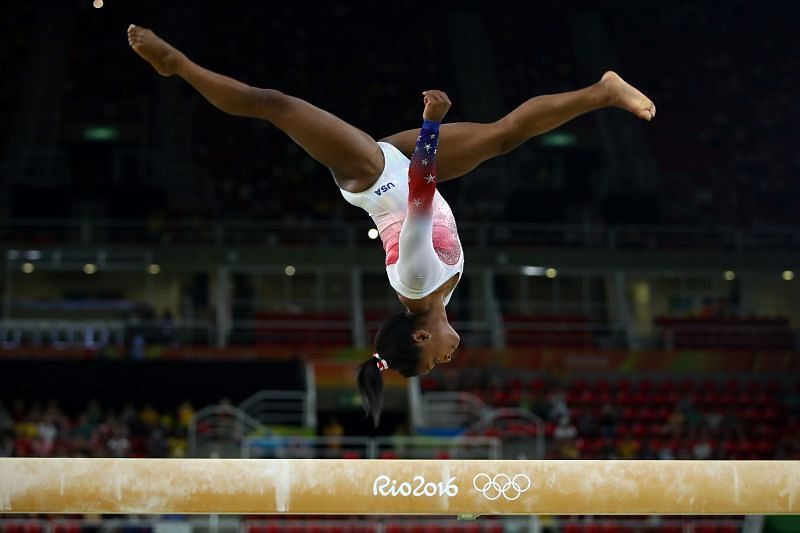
(106, 133)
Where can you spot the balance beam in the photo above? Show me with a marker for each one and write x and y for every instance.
(385, 487)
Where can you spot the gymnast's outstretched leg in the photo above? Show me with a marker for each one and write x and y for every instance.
(354, 158)
(465, 145)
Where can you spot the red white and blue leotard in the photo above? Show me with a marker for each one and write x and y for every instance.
(415, 223)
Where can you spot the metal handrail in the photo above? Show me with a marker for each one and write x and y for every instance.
(453, 406)
(283, 400)
(99, 232)
(514, 413)
(412, 446)
(99, 333)
(243, 423)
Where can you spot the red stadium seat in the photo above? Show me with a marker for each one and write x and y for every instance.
(624, 398)
(429, 384)
(765, 449)
(687, 386)
(13, 527)
(579, 385)
(536, 385)
(754, 386)
(761, 398)
(731, 385)
(709, 385)
(492, 432)
(500, 398)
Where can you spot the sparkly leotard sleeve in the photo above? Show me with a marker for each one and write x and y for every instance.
(430, 245)
(418, 262)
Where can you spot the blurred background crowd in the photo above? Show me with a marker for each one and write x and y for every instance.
(182, 283)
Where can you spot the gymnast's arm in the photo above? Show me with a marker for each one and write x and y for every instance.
(417, 260)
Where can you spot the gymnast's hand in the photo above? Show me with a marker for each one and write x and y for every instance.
(436, 105)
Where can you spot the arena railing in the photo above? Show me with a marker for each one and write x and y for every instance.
(445, 410)
(348, 447)
(218, 429)
(732, 336)
(282, 407)
(46, 232)
(135, 335)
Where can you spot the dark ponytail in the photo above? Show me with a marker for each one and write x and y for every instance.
(395, 345)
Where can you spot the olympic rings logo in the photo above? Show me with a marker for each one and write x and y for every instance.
(510, 488)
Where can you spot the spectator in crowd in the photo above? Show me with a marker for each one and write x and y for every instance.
(588, 425)
(6, 432)
(118, 444)
(676, 424)
(94, 432)
(564, 436)
(731, 426)
(333, 431)
(666, 451)
(608, 420)
(186, 414)
(628, 447)
(558, 405)
(703, 447)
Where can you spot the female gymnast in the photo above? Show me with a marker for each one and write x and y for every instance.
(394, 181)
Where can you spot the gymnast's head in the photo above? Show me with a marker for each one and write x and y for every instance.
(409, 344)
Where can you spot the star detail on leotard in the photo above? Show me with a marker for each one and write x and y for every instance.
(428, 147)
(420, 276)
(433, 135)
(425, 162)
(417, 202)
(429, 178)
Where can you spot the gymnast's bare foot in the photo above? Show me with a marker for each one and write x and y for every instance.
(156, 51)
(625, 96)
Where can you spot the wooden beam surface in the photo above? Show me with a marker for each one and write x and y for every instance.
(450, 487)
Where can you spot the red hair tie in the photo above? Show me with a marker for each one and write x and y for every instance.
(382, 364)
